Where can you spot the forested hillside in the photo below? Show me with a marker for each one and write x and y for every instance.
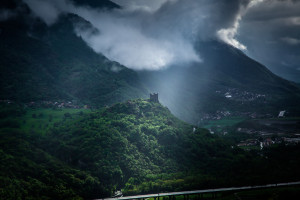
(137, 146)
(76, 125)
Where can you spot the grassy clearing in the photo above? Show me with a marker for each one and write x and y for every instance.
(221, 124)
(41, 120)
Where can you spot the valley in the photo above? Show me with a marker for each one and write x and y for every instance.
(99, 100)
(153, 151)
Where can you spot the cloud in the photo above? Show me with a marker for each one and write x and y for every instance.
(49, 11)
(151, 34)
(229, 34)
(291, 41)
(271, 32)
(147, 5)
(129, 37)
(133, 39)
(115, 68)
(295, 21)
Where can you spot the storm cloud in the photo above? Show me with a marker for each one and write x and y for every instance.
(152, 35)
(271, 32)
(156, 34)
(152, 5)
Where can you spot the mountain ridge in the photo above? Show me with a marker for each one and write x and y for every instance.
(97, 4)
(200, 89)
(41, 63)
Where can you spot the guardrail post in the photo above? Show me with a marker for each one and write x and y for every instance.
(213, 195)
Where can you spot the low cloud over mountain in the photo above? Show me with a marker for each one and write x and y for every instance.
(152, 36)
(156, 34)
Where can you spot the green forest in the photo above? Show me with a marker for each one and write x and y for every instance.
(136, 146)
(75, 122)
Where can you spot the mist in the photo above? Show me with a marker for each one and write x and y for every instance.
(150, 36)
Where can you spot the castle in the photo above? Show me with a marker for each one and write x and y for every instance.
(154, 97)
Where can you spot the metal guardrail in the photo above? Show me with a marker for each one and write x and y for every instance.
(201, 191)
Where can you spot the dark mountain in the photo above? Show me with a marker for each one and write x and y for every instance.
(97, 3)
(105, 4)
(138, 146)
(226, 80)
(290, 73)
(51, 63)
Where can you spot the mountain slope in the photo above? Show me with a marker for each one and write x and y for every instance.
(137, 146)
(96, 3)
(226, 81)
(40, 63)
(28, 172)
(127, 140)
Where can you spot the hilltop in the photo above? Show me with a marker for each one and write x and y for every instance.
(98, 152)
(137, 146)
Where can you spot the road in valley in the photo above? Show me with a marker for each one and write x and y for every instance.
(201, 191)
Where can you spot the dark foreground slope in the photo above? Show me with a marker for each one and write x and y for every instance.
(121, 143)
(137, 146)
(227, 81)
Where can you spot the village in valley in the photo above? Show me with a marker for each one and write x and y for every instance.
(266, 132)
(257, 130)
(50, 104)
(242, 96)
(57, 104)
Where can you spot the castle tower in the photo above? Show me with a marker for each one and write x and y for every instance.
(154, 97)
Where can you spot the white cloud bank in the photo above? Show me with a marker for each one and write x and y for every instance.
(228, 35)
(152, 34)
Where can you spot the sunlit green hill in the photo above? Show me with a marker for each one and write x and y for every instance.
(137, 146)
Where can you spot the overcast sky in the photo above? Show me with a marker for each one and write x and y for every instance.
(271, 32)
(266, 30)
(153, 34)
